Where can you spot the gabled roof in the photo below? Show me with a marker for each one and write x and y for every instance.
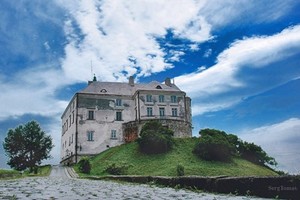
(116, 88)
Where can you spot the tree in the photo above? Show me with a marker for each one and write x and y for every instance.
(213, 145)
(255, 154)
(155, 138)
(26, 146)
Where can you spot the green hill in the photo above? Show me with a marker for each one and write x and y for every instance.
(165, 164)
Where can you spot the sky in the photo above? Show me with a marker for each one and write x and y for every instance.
(239, 61)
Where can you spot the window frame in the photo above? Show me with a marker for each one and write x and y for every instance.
(161, 98)
(174, 112)
(149, 98)
(90, 136)
(91, 117)
(162, 112)
(149, 112)
(118, 102)
(113, 134)
(173, 99)
(119, 116)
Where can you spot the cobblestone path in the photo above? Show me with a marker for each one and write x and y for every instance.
(59, 186)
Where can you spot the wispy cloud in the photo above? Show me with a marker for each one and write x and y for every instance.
(120, 37)
(227, 82)
(281, 141)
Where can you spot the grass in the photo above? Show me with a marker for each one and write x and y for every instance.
(12, 174)
(9, 174)
(165, 164)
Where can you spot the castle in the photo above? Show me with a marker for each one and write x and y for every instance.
(106, 114)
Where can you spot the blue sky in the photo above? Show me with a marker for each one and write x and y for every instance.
(239, 61)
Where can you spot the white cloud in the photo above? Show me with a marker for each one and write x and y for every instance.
(222, 13)
(122, 36)
(281, 141)
(31, 92)
(220, 86)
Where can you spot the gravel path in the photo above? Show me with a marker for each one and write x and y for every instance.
(59, 186)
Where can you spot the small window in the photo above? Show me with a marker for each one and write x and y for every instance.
(161, 112)
(119, 116)
(118, 102)
(149, 98)
(174, 112)
(173, 99)
(91, 115)
(103, 91)
(158, 87)
(161, 98)
(113, 134)
(90, 136)
(70, 121)
(149, 111)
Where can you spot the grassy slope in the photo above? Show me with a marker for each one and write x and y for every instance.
(165, 164)
(11, 174)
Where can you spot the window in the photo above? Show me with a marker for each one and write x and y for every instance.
(149, 98)
(73, 117)
(161, 98)
(118, 102)
(119, 116)
(174, 112)
(66, 125)
(173, 99)
(91, 115)
(90, 136)
(161, 112)
(158, 87)
(70, 121)
(149, 111)
(72, 138)
(113, 134)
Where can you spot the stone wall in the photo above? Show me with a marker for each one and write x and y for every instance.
(283, 187)
(131, 130)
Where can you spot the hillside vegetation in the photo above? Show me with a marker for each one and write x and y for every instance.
(166, 164)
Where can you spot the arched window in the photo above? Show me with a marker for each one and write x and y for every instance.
(103, 90)
(158, 87)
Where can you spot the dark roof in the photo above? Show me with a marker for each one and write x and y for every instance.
(117, 88)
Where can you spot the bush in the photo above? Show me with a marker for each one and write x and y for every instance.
(84, 165)
(117, 168)
(180, 170)
(213, 145)
(155, 138)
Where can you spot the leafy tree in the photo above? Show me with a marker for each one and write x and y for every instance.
(26, 146)
(218, 145)
(155, 138)
(255, 154)
(213, 145)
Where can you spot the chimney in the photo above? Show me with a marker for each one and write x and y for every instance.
(131, 81)
(168, 82)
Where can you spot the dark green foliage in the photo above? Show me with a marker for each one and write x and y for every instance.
(26, 146)
(155, 138)
(255, 154)
(117, 168)
(180, 170)
(213, 145)
(84, 165)
(217, 145)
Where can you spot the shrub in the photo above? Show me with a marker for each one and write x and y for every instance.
(180, 170)
(117, 168)
(84, 165)
(213, 145)
(155, 138)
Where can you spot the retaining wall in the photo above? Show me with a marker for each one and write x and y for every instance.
(283, 187)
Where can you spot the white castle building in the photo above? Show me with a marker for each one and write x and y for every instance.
(106, 114)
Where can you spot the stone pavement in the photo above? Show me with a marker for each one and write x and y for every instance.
(59, 186)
